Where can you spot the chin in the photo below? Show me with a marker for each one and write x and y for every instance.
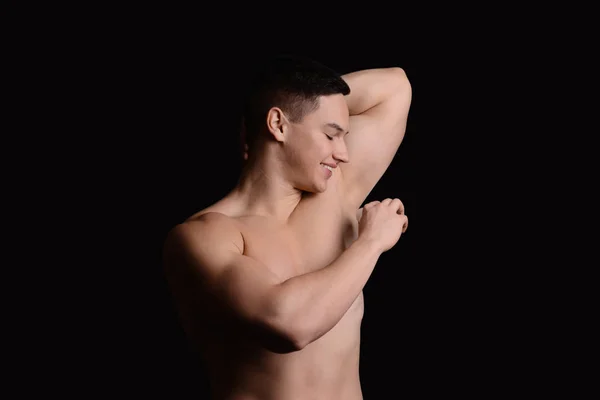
(315, 188)
(320, 187)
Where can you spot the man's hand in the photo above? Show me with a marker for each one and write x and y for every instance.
(383, 223)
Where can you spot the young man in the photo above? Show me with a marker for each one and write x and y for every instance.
(268, 281)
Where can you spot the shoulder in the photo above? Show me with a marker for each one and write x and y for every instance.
(207, 226)
(204, 236)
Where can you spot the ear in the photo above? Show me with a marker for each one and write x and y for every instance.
(277, 123)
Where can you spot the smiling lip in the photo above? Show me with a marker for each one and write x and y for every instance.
(328, 171)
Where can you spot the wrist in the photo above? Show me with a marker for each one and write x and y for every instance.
(369, 245)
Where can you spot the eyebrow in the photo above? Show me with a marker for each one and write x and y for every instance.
(336, 127)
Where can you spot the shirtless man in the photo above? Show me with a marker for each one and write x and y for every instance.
(268, 281)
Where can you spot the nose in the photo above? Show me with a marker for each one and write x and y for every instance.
(340, 153)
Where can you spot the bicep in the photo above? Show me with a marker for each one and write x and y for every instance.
(217, 270)
(246, 288)
(372, 143)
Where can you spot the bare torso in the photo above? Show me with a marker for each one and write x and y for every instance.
(318, 231)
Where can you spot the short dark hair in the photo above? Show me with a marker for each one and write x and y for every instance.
(292, 83)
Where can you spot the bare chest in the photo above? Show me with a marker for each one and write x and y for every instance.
(315, 235)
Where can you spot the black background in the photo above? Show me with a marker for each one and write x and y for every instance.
(133, 104)
(167, 130)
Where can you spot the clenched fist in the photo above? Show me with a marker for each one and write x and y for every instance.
(382, 222)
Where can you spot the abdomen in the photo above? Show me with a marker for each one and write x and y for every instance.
(327, 368)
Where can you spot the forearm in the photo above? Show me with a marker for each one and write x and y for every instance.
(313, 303)
(371, 87)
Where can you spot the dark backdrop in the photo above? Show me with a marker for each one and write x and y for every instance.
(169, 112)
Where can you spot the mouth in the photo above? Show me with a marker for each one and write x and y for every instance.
(328, 167)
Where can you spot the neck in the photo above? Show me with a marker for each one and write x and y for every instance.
(263, 189)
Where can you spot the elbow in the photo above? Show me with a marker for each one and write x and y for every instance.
(292, 327)
(398, 75)
(399, 80)
(277, 330)
(401, 89)
(293, 333)
(300, 338)
(281, 336)
(295, 341)
(280, 341)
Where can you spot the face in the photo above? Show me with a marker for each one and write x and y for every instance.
(316, 146)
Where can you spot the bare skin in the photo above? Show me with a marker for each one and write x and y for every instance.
(268, 281)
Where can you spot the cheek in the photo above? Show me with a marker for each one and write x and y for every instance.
(305, 147)
(319, 150)
(308, 149)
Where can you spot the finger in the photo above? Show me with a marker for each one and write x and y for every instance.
(398, 206)
(371, 204)
(386, 202)
(405, 224)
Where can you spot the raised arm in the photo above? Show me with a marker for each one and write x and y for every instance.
(284, 316)
(379, 103)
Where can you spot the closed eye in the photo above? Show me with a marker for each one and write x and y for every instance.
(329, 137)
